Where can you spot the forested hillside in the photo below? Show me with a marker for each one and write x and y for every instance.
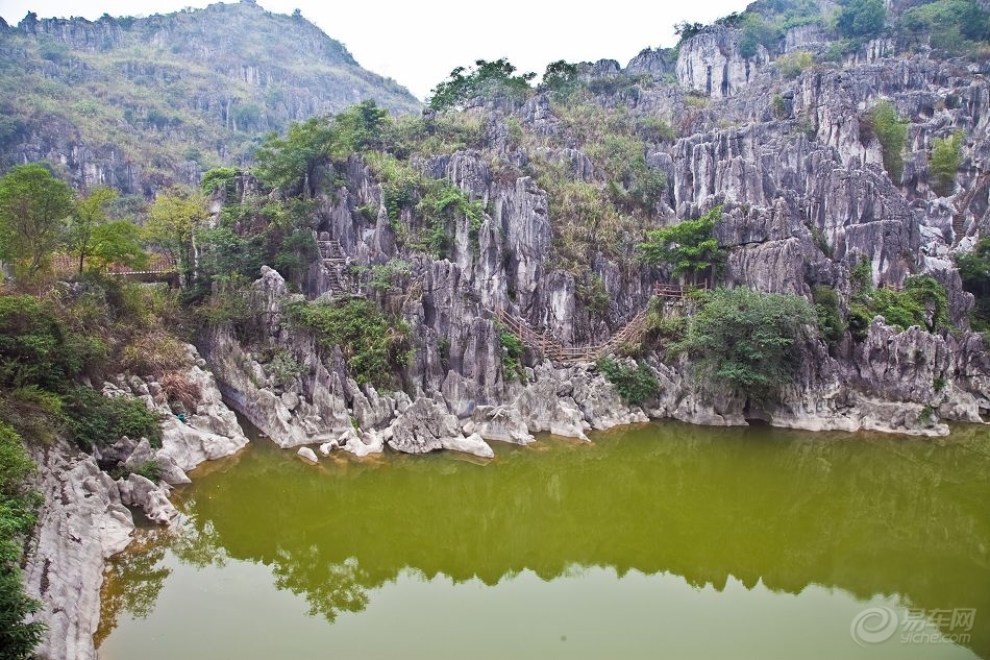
(140, 103)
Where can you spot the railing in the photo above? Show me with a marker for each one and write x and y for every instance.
(160, 266)
(552, 348)
(959, 218)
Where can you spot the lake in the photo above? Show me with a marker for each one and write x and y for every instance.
(663, 540)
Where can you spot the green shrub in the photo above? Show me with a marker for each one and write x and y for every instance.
(388, 276)
(756, 31)
(634, 385)
(284, 368)
(18, 504)
(512, 356)
(952, 26)
(688, 247)
(95, 420)
(922, 302)
(151, 470)
(974, 269)
(486, 79)
(861, 19)
(891, 131)
(744, 341)
(794, 64)
(779, 106)
(945, 162)
(830, 322)
(591, 293)
(374, 345)
(220, 179)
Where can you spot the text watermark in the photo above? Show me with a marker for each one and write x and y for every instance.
(876, 625)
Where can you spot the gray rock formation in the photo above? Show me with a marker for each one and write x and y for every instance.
(308, 455)
(82, 523)
(142, 493)
(85, 519)
(215, 79)
(210, 431)
(805, 198)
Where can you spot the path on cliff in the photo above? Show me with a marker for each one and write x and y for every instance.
(552, 348)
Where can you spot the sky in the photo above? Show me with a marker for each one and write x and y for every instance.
(419, 43)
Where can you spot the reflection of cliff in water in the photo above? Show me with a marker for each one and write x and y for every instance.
(867, 515)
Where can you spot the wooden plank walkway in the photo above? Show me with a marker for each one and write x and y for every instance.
(160, 268)
(554, 350)
(959, 218)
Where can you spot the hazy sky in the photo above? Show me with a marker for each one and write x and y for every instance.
(418, 43)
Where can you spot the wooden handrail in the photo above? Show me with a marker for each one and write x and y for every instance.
(552, 348)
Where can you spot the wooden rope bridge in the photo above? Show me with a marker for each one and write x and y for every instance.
(553, 349)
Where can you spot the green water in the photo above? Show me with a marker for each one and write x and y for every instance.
(660, 541)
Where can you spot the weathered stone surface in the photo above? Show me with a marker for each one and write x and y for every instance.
(499, 423)
(712, 64)
(209, 432)
(423, 427)
(142, 493)
(547, 406)
(473, 444)
(82, 522)
(307, 455)
(217, 52)
(805, 199)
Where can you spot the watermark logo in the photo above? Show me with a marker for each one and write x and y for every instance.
(876, 625)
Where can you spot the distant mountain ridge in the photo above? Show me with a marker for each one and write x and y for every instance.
(139, 103)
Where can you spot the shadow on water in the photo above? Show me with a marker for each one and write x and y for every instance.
(866, 514)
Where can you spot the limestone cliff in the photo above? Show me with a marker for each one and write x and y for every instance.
(806, 199)
(139, 103)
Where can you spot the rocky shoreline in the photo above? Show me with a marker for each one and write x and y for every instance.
(86, 520)
(86, 516)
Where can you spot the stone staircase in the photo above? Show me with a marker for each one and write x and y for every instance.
(959, 218)
(332, 263)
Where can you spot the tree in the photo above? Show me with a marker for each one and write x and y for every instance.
(33, 207)
(974, 269)
(291, 163)
(560, 78)
(356, 129)
(17, 503)
(486, 79)
(117, 242)
(861, 19)
(173, 220)
(90, 213)
(891, 132)
(744, 340)
(946, 158)
(689, 246)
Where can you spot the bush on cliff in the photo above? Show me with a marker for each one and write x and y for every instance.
(744, 340)
(634, 385)
(689, 247)
(17, 506)
(374, 345)
(891, 131)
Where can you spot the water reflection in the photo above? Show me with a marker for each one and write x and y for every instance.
(868, 515)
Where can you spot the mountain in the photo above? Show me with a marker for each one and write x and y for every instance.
(139, 103)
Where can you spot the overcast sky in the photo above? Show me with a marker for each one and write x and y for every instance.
(418, 43)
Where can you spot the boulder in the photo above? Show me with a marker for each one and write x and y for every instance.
(81, 523)
(142, 493)
(421, 427)
(307, 455)
(474, 444)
